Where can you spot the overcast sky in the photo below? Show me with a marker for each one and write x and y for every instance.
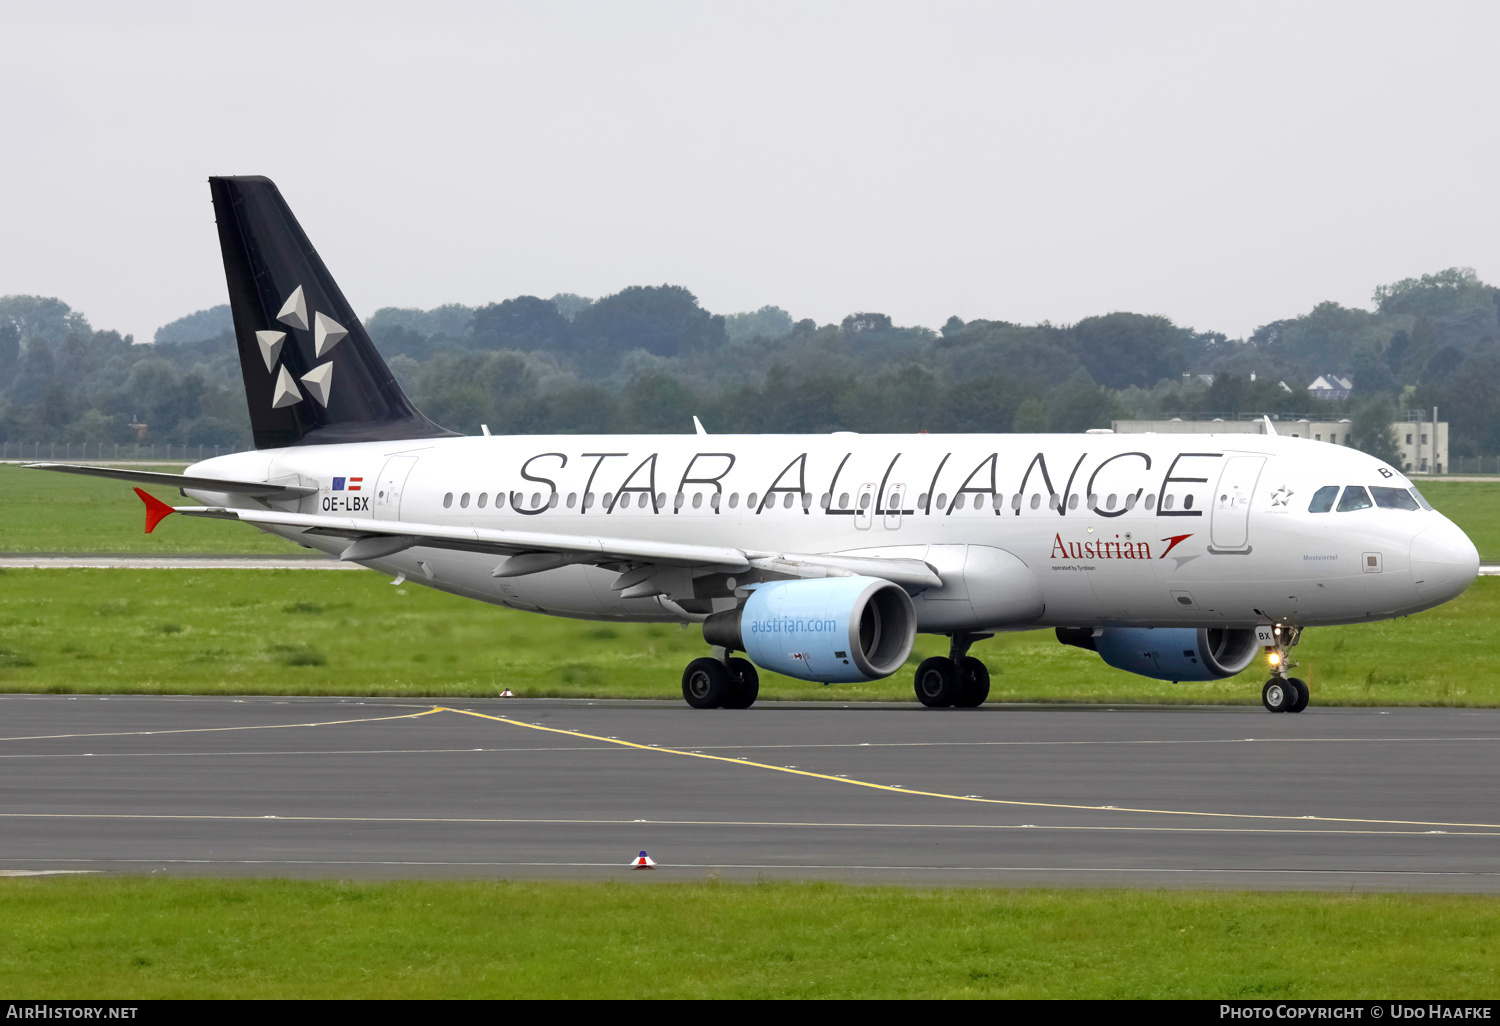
(1223, 164)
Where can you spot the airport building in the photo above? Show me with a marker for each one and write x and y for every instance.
(1423, 442)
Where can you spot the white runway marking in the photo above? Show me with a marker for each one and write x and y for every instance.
(752, 824)
(792, 866)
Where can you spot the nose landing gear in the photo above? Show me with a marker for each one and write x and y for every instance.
(1283, 693)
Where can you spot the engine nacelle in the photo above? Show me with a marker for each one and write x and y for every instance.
(1169, 653)
(836, 630)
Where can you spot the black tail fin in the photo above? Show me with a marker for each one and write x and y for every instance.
(312, 375)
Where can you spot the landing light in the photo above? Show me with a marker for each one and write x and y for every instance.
(1275, 658)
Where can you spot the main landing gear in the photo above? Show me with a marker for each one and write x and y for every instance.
(955, 679)
(720, 683)
(1283, 693)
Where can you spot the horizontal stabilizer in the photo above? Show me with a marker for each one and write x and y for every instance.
(252, 489)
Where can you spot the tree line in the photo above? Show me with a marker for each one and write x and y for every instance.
(649, 358)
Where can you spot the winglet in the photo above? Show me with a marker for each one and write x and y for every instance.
(155, 510)
(1270, 429)
(698, 426)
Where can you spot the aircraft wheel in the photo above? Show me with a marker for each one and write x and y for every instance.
(974, 683)
(746, 684)
(706, 683)
(937, 682)
(1278, 695)
(1302, 696)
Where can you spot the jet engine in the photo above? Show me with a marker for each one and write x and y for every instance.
(1169, 653)
(836, 630)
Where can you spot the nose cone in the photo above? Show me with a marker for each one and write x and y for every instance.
(1443, 562)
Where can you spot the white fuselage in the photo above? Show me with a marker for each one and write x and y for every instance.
(1114, 530)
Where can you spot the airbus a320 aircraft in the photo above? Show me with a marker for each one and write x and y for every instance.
(1178, 557)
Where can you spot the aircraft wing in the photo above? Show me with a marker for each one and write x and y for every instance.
(252, 489)
(534, 551)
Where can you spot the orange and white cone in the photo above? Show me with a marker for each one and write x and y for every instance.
(507, 693)
(643, 861)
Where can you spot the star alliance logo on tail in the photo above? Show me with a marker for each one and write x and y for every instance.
(327, 333)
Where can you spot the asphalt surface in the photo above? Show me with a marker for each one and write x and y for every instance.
(1335, 799)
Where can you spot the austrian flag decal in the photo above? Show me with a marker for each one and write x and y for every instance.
(347, 484)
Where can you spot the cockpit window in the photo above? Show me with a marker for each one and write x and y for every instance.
(1355, 497)
(1420, 500)
(1322, 500)
(1393, 498)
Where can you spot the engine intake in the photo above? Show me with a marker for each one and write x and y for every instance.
(835, 630)
(1169, 653)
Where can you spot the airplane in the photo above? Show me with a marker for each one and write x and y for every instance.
(1175, 557)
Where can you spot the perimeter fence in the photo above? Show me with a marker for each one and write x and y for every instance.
(162, 451)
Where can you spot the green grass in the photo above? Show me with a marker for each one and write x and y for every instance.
(1473, 506)
(327, 632)
(46, 512)
(163, 938)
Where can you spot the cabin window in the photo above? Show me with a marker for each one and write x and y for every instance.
(1109, 503)
(864, 501)
(806, 500)
(958, 501)
(942, 500)
(697, 500)
(588, 500)
(448, 500)
(536, 500)
(1036, 500)
(787, 500)
(844, 500)
(734, 499)
(979, 501)
(572, 499)
(661, 500)
(1393, 498)
(750, 501)
(1354, 497)
(1151, 500)
(1015, 501)
(516, 498)
(1168, 501)
(922, 502)
(1187, 502)
(552, 502)
(1054, 502)
(713, 500)
(1130, 501)
(605, 499)
(499, 500)
(826, 500)
(1093, 502)
(483, 498)
(1073, 501)
(463, 501)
